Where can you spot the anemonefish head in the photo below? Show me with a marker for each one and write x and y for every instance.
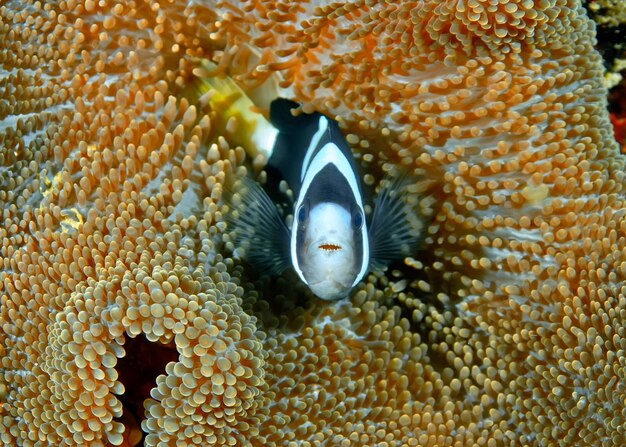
(329, 249)
(329, 243)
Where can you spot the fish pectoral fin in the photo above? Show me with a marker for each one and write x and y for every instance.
(257, 227)
(394, 204)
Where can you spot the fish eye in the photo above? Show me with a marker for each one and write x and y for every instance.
(301, 213)
(357, 219)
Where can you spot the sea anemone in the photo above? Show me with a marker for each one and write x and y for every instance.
(506, 328)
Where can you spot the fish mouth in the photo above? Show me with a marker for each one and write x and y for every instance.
(328, 267)
(330, 247)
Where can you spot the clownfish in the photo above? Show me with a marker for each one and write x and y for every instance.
(330, 244)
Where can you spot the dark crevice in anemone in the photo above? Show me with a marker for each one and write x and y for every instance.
(427, 299)
(617, 98)
(610, 36)
(274, 300)
(138, 370)
(611, 44)
(431, 330)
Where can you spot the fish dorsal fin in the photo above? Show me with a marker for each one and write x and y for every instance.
(259, 232)
(396, 227)
(284, 121)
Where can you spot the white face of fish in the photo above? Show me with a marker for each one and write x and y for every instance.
(329, 254)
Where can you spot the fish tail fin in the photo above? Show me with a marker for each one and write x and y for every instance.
(259, 233)
(396, 226)
(210, 87)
